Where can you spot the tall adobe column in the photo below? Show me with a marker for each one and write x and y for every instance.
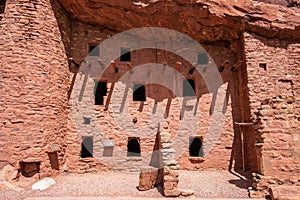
(33, 85)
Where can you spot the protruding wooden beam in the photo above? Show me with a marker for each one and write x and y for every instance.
(224, 65)
(237, 65)
(244, 123)
(178, 65)
(114, 66)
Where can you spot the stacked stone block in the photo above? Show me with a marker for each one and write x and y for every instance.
(170, 166)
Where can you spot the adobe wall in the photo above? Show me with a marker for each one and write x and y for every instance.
(113, 123)
(34, 83)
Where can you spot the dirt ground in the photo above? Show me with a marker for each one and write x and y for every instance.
(208, 184)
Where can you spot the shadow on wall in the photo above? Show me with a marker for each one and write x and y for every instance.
(64, 25)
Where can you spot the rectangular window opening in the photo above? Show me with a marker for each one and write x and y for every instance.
(195, 147)
(87, 147)
(125, 55)
(94, 50)
(139, 92)
(133, 147)
(189, 88)
(100, 92)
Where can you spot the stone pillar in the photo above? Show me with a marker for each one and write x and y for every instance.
(170, 167)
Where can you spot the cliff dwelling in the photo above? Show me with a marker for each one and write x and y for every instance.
(153, 87)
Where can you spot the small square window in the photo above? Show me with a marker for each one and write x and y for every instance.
(125, 55)
(94, 50)
(202, 58)
(263, 65)
(86, 120)
(139, 93)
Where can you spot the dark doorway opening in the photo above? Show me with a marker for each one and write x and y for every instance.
(87, 147)
(139, 92)
(195, 148)
(101, 91)
(189, 87)
(2, 6)
(133, 147)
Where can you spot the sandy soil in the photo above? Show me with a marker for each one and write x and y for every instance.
(208, 184)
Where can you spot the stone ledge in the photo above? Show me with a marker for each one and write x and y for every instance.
(196, 159)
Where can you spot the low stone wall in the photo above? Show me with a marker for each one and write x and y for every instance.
(277, 145)
(166, 173)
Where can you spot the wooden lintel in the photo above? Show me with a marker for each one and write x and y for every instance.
(244, 123)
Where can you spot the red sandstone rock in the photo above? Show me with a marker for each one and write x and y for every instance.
(262, 38)
(285, 192)
(148, 178)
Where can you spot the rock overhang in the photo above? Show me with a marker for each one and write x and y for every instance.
(204, 21)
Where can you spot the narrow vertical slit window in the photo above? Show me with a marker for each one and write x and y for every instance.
(2, 6)
(189, 88)
(139, 92)
(87, 147)
(125, 55)
(100, 92)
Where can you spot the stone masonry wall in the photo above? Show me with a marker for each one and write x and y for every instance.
(114, 127)
(272, 70)
(277, 143)
(34, 83)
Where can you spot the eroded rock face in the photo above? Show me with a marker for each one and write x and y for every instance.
(203, 20)
(287, 3)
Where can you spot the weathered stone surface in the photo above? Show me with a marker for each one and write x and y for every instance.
(8, 173)
(186, 193)
(148, 178)
(169, 171)
(172, 193)
(262, 18)
(5, 185)
(285, 192)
